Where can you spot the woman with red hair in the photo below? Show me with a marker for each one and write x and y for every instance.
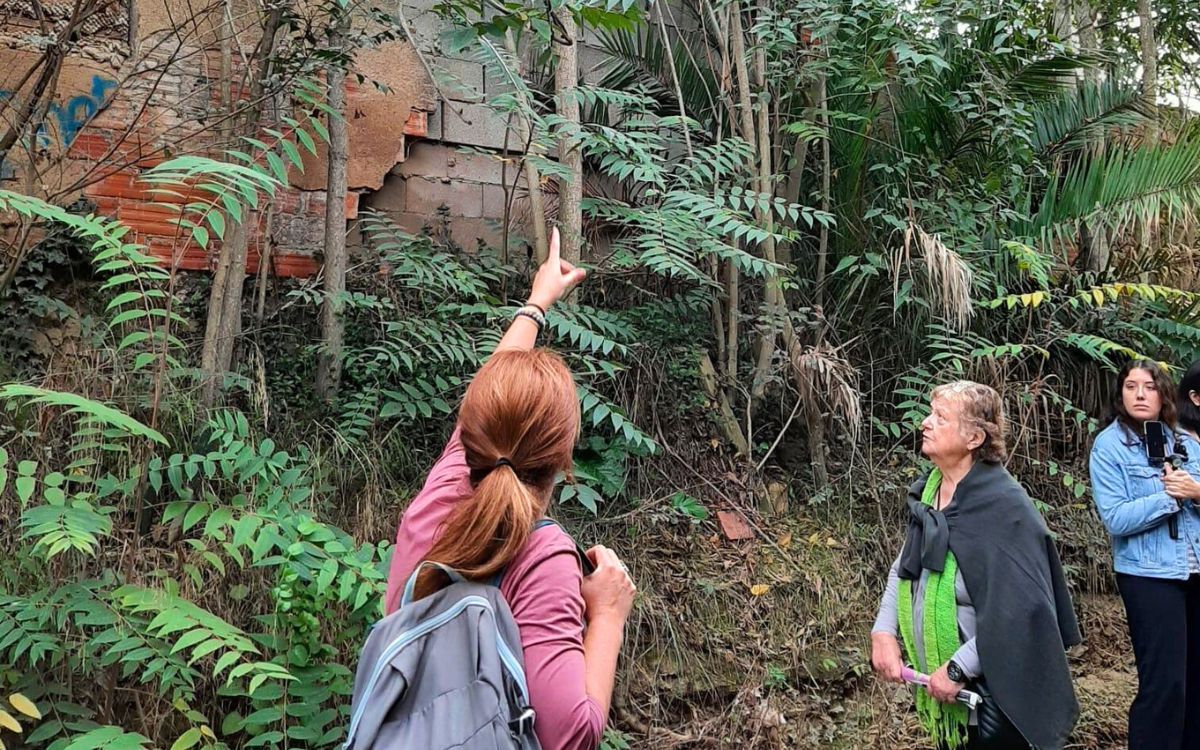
(516, 432)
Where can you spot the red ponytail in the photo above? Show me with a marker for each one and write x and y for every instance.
(519, 422)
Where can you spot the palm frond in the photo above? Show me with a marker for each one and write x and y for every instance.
(639, 59)
(950, 276)
(1084, 115)
(634, 58)
(1120, 186)
(1046, 78)
(828, 383)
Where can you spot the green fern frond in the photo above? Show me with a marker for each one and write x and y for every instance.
(597, 410)
(29, 633)
(89, 411)
(1099, 348)
(1098, 296)
(129, 274)
(1025, 299)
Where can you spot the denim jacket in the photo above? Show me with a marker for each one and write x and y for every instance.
(1135, 507)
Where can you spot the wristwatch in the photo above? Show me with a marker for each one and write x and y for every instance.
(954, 672)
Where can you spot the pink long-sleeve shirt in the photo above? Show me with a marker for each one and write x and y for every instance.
(541, 586)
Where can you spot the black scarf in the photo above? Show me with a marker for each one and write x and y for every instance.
(1023, 610)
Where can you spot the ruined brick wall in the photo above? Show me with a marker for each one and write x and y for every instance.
(110, 21)
(425, 152)
(123, 105)
(458, 173)
(296, 228)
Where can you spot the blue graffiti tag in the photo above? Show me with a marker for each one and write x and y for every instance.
(73, 114)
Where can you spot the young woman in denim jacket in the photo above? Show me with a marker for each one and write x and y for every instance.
(1152, 515)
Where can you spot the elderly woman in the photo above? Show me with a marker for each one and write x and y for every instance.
(1150, 511)
(977, 593)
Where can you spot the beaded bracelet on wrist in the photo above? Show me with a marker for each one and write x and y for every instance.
(533, 313)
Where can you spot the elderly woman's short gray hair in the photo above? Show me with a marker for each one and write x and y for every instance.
(982, 409)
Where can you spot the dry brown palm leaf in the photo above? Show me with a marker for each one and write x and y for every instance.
(1176, 266)
(948, 273)
(827, 380)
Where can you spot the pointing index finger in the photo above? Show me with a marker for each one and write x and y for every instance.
(554, 254)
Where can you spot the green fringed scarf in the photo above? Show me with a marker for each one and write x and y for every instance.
(946, 723)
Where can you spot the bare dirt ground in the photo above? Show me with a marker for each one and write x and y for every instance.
(764, 643)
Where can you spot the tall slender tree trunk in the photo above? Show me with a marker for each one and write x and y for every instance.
(1149, 63)
(537, 209)
(773, 292)
(727, 422)
(570, 191)
(225, 302)
(670, 54)
(533, 180)
(216, 301)
(237, 238)
(265, 250)
(329, 365)
(727, 336)
(1093, 243)
(731, 425)
(733, 294)
(1149, 95)
(737, 42)
(1093, 239)
(1062, 20)
(814, 423)
(714, 266)
(826, 176)
(1085, 21)
(814, 419)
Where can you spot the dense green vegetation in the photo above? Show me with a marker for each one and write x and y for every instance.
(803, 215)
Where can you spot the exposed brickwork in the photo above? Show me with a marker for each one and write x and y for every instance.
(297, 229)
(116, 123)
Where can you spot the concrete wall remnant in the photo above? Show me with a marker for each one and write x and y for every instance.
(395, 92)
(465, 172)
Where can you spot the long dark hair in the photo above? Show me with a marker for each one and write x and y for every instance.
(1189, 413)
(1166, 393)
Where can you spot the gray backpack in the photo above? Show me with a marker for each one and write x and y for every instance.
(443, 672)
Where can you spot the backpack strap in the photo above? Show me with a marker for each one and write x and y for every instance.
(409, 585)
(580, 552)
(456, 577)
(584, 563)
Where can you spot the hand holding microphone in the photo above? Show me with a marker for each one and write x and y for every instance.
(968, 698)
